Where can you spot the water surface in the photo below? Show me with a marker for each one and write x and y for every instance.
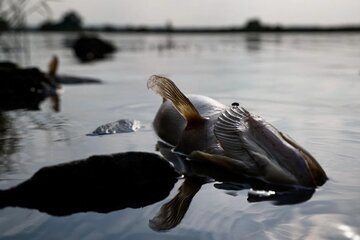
(307, 85)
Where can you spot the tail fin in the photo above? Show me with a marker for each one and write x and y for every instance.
(168, 90)
(171, 213)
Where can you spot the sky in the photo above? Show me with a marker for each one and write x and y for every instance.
(208, 12)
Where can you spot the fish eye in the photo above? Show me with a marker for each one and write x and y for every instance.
(235, 104)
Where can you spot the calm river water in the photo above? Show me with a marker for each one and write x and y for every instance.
(307, 85)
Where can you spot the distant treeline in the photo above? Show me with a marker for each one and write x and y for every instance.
(72, 21)
(143, 29)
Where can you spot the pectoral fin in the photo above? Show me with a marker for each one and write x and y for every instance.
(168, 90)
(242, 146)
(232, 168)
(231, 131)
(224, 165)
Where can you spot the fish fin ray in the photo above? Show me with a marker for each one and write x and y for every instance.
(230, 130)
(53, 67)
(168, 90)
(172, 212)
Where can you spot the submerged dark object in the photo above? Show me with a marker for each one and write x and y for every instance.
(232, 138)
(27, 87)
(24, 87)
(70, 80)
(89, 48)
(101, 183)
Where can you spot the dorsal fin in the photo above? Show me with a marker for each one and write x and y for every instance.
(168, 90)
(53, 67)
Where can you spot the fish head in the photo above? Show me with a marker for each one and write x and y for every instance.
(266, 151)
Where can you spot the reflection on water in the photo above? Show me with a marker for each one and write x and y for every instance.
(168, 44)
(198, 173)
(172, 212)
(208, 171)
(8, 136)
(306, 85)
(101, 183)
(107, 183)
(253, 42)
(8, 141)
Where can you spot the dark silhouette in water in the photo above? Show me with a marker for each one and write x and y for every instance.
(88, 48)
(27, 94)
(26, 87)
(101, 183)
(72, 80)
(106, 183)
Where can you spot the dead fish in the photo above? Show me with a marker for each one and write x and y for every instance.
(232, 138)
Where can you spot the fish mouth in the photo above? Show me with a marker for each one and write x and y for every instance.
(318, 174)
(266, 151)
